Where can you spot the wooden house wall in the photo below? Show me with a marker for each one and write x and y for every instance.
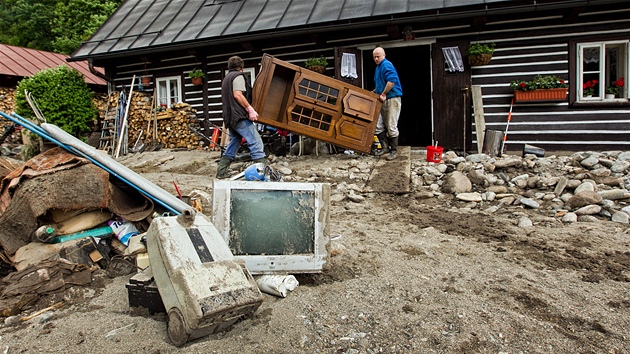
(526, 45)
(530, 47)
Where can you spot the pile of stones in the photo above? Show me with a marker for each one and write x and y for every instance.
(585, 186)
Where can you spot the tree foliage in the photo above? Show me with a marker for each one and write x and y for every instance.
(52, 25)
(63, 97)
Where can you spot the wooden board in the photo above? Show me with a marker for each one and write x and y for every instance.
(480, 121)
(391, 176)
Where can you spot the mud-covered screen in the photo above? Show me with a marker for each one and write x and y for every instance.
(272, 222)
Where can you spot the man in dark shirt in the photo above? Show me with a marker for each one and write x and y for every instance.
(239, 117)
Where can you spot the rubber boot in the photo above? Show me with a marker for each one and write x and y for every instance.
(382, 137)
(222, 169)
(393, 149)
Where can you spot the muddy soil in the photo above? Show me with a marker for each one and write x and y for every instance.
(407, 276)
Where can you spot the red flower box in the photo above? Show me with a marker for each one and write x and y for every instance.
(556, 94)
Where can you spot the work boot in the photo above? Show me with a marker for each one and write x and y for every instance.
(382, 138)
(222, 169)
(393, 149)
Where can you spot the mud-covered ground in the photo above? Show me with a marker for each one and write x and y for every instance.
(408, 275)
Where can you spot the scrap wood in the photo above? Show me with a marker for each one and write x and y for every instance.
(13, 306)
(37, 313)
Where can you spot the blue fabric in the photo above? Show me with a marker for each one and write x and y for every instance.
(385, 72)
(245, 129)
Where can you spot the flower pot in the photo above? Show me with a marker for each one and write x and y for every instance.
(146, 81)
(479, 59)
(317, 68)
(196, 81)
(610, 96)
(557, 94)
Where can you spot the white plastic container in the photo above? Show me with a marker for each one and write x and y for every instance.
(203, 287)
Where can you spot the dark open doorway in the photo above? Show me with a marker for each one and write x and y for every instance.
(414, 69)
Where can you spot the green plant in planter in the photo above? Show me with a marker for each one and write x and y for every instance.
(539, 82)
(196, 73)
(315, 61)
(481, 48)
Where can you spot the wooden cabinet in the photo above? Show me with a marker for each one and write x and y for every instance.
(302, 101)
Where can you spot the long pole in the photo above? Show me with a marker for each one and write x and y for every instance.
(507, 126)
(124, 122)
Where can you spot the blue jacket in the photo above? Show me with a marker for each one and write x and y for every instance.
(385, 72)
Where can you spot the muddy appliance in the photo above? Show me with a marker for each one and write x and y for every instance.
(203, 287)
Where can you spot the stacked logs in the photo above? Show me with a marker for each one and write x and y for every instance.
(169, 127)
(7, 105)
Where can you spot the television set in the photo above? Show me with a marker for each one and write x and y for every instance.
(275, 227)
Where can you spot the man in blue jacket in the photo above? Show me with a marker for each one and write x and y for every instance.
(388, 87)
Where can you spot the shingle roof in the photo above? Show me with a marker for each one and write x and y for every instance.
(140, 25)
(24, 62)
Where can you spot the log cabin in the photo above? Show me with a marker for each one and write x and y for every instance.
(446, 100)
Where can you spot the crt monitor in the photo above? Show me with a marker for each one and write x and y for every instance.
(275, 227)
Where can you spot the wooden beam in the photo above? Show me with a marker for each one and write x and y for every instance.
(480, 121)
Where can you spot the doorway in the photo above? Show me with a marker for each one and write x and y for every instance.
(413, 65)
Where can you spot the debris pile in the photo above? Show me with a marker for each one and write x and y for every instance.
(62, 217)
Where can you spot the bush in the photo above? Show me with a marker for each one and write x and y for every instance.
(63, 97)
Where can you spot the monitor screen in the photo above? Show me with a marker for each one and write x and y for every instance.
(275, 227)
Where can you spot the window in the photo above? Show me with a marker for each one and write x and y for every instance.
(600, 66)
(249, 73)
(169, 91)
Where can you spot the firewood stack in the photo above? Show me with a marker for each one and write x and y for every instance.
(7, 105)
(172, 124)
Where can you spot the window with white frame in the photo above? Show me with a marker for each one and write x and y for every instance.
(602, 69)
(249, 73)
(169, 91)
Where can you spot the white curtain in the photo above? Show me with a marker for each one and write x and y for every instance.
(453, 59)
(349, 66)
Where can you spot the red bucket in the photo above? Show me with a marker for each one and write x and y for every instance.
(434, 153)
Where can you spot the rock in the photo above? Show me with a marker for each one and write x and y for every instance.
(530, 203)
(469, 197)
(569, 218)
(508, 162)
(284, 170)
(477, 178)
(620, 166)
(590, 162)
(497, 189)
(624, 156)
(588, 210)
(620, 217)
(477, 158)
(561, 185)
(424, 195)
(583, 198)
(356, 198)
(587, 218)
(600, 172)
(609, 181)
(586, 186)
(456, 182)
(336, 198)
(524, 222)
(614, 194)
